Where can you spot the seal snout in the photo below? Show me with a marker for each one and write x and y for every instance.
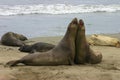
(73, 25)
(23, 47)
(74, 21)
(81, 22)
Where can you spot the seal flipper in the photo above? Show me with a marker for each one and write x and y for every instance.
(71, 62)
(12, 63)
(33, 51)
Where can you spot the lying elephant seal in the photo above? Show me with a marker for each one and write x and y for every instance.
(61, 54)
(37, 47)
(13, 39)
(83, 51)
(104, 41)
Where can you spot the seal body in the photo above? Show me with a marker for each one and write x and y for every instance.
(13, 39)
(84, 54)
(80, 44)
(102, 40)
(37, 47)
(61, 54)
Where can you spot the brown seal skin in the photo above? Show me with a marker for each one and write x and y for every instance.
(83, 51)
(61, 54)
(37, 47)
(93, 57)
(13, 39)
(80, 44)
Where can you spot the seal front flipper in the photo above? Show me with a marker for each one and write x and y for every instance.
(33, 51)
(12, 63)
(71, 62)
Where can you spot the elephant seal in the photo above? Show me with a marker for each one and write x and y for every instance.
(84, 54)
(102, 40)
(80, 44)
(37, 47)
(13, 39)
(62, 54)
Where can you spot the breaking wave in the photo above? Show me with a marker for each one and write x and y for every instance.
(6, 10)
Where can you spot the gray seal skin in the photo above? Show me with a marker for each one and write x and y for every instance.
(37, 47)
(13, 39)
(84, 54)
(61, 54)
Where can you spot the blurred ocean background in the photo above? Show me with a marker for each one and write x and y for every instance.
(38, 18)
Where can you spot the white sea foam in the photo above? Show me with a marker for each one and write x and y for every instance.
(6, 10)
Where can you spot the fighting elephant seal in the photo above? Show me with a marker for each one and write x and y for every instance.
(13, 39)
(83, 51)
(61, 54)
(37, 47)
(102, 40)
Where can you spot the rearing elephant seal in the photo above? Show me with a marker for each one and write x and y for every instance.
(13, 39)
(83, 51)
(61, 54)
(37, 47)
(80, 44)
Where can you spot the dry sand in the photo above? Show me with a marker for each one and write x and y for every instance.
(108, 69)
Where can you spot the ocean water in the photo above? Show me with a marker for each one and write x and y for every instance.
(36, 18)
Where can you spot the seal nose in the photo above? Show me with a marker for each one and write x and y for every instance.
(75, 21)
(81, 22)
